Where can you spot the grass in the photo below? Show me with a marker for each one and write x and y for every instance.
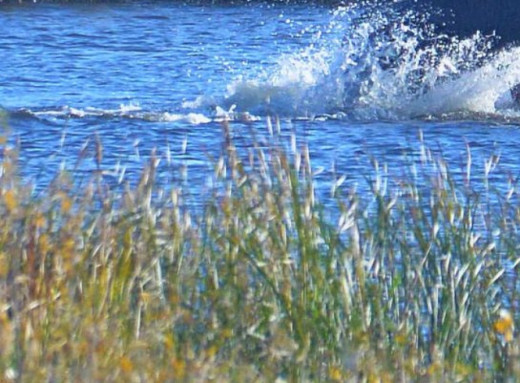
(415, 281)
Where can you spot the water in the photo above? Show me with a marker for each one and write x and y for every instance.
(351, 82)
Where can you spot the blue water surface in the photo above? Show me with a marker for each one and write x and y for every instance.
(163, 76)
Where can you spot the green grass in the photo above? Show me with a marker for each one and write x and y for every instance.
(263, 282)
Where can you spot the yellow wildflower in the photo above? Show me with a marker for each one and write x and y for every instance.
(505, 325)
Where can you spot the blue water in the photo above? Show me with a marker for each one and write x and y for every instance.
(145, 76)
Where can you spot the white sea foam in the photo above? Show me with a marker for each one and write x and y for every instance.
(191, 118)
(73, 112)
(483, 90)
(135, 112)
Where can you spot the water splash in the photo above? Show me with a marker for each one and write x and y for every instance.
(378, 62)
(367, 63)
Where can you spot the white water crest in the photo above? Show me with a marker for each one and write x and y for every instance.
(135, 112)
(377, 62)
(484, 90)
(64, 112)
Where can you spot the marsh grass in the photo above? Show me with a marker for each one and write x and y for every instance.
(414, 281)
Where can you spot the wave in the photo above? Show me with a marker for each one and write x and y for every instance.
(368, 63)
(380, 62)
(68, 112)
(131, 112)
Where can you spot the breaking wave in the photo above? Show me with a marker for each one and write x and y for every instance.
(379, 62)
(370, 62)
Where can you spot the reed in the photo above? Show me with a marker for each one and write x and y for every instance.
(262, 281)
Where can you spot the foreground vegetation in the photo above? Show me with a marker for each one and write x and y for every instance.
(261, 282)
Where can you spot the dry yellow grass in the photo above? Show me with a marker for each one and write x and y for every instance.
(263, 282)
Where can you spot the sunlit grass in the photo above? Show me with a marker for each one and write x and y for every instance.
(415, 280)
